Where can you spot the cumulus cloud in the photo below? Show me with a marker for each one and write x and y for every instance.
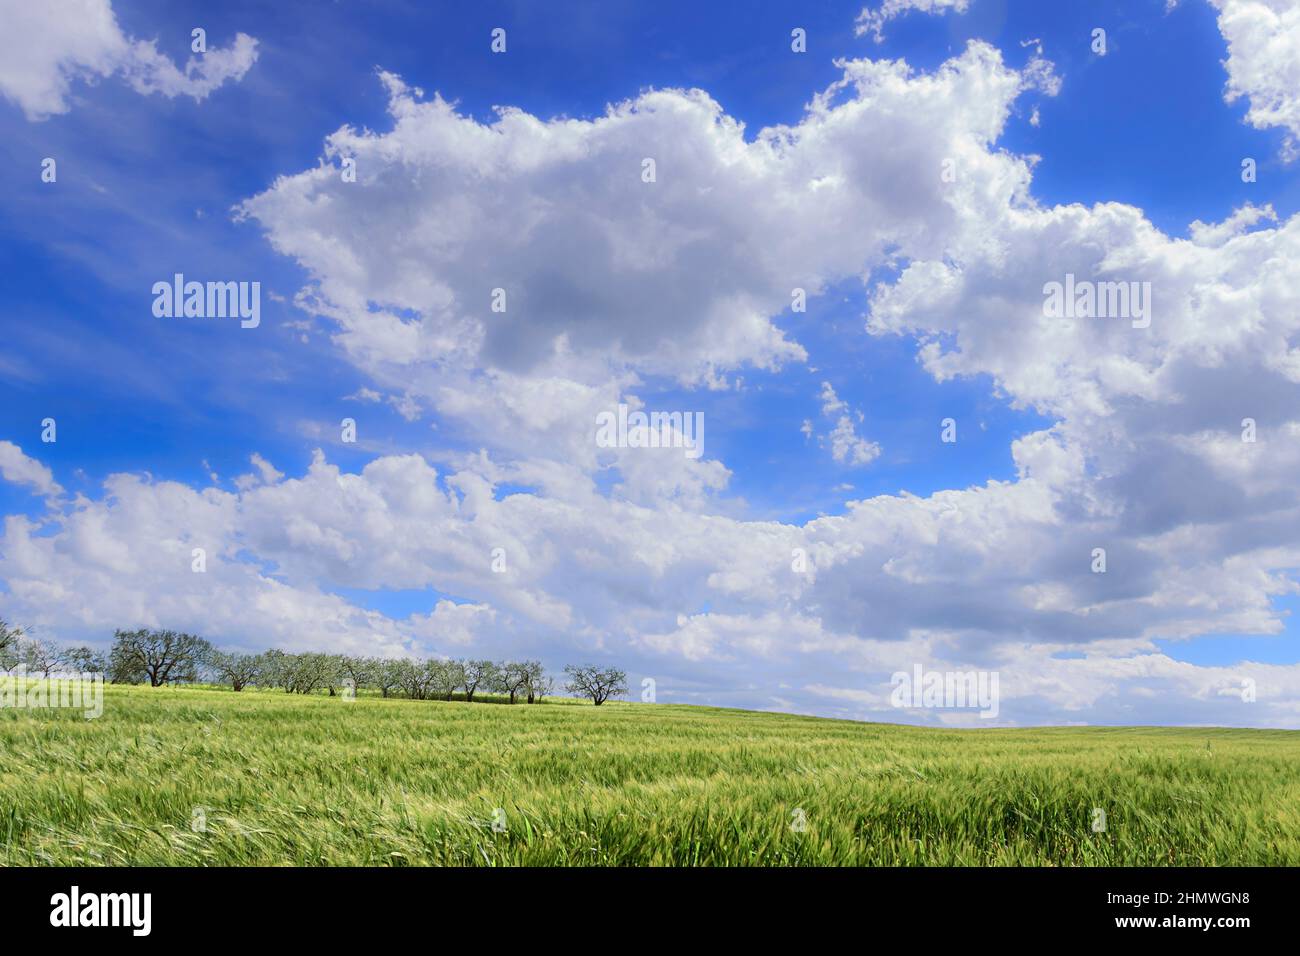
(450, 625)
(610, 280)
(1195, 522)
(17, 468)
(600, 271)
(1264, 62)
(129, 560)
(47, 47)
(957, 579)
(606, 279)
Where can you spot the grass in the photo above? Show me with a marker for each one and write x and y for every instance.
(307, 781)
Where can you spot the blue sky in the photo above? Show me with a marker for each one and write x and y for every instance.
(162, 172)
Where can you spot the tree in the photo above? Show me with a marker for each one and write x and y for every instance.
(417, 677)
(598, 683)
(124, 668)
(9, 635)
(516, 675)
(387, 675)
(160, 657)
(237, 670)
(332, 673)
(447, 676)
(84, 660)
(539, 685)
(298, 673)
(276, 670)
(41, 656)
(310, 672)
(479, 674)
(359, 670)
(10, 638)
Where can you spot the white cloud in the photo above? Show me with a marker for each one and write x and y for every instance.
(603, 272)
(619, 279)
(1145, 458)
(19, 469)
(957, 578)
(1216, 234)
(149, 71)
(1138, 464)
(406, 405)
(451, 625)
(847, 446)
(1264, 62)
(48, 46)
(265, 469)
(873, 21)
(831, 402)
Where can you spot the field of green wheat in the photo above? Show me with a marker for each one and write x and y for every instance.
(193, 776)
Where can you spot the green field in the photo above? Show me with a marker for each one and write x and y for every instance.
(268, 778)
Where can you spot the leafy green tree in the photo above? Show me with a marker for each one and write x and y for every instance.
(539, 685)
(479, 674)
(598, 683)
(387, 675)
(276, 670)
(332, 675)
(237, 670)
(517, 676)
(10, 639)
(160, 657)
(9, 634)
(417, 678)
(85, 660)
(447, 676)
(311, 671)
(359, 670)
(42, 657)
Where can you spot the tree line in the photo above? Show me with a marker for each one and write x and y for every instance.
(161, 657)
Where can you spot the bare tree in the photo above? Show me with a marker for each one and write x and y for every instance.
(162, 657)
(598, 683)
(237, 670)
